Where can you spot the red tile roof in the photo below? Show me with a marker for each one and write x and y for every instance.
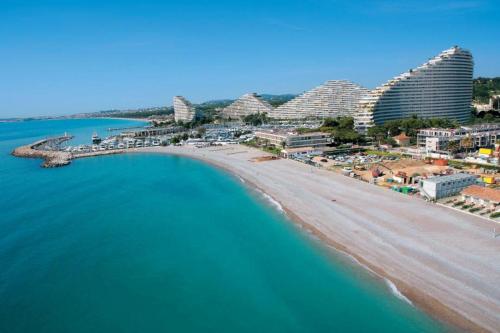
(401, 136)
(482, 193)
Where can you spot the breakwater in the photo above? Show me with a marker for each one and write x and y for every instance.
(53, 158)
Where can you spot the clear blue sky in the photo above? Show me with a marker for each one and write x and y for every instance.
(61, 57)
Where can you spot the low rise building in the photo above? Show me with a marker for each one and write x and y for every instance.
(479, 195)
(445, 186)
(301, 151)
(402, 139)
(469, 137)
(287, 139)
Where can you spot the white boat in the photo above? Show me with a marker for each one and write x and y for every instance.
(95, 138)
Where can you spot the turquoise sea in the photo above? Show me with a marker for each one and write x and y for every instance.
(153, 243)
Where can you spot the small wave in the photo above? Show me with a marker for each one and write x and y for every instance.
(392, 287)
(395, 291)
(272, 201)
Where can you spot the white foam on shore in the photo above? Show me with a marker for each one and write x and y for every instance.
(395, 291)
(392, 287)
(273, 202)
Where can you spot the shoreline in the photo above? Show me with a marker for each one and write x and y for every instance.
(423, 300)
(399, 239)
(142, 120)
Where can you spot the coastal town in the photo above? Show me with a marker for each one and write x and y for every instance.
(250, 166)
(337, 127)
(396, 177)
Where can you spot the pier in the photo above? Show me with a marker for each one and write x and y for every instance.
(47, 149)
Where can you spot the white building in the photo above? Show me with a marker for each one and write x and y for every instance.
(290, 140)
(440, 88)
(183, 109)
(246, 105)
(470, 137)
(331, 99)
(493, 105)
(445, 186)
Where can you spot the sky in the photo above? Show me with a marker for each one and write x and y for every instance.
(64, 57)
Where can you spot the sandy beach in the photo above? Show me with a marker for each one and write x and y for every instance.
(444, 261)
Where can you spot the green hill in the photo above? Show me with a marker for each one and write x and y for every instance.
(484, 88)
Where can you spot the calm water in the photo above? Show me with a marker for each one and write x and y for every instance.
(151, 243)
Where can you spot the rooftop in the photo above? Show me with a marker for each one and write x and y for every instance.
(401, 136)
(454, 177)
(292, 133)
(485, 193)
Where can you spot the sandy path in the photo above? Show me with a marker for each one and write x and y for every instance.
(445, 261)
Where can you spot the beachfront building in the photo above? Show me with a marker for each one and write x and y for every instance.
(479, 195)
(402, 139)
(183, 110)
(246, 105)
(287, 139)
(466, 137)
(440, 88)
(445, 186)
(331, 99)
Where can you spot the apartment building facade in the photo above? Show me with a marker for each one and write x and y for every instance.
(183, 109)
(440, 88)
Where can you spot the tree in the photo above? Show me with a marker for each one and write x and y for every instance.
(453, 146)
(256, 119)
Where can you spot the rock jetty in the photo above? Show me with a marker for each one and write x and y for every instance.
(47, 150)
(51, 158)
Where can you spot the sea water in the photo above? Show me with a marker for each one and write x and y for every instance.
(156, 243)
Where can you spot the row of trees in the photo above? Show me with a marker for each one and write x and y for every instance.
(342, 129)
(256, 119)
(410, 126)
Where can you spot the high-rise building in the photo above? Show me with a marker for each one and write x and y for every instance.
(246, 105)
(440, 88)
(183, 109)
(331, 99)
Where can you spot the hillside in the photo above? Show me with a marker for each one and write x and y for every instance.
(484, 88)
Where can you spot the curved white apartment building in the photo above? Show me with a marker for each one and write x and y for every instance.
(183, 109)
(246, 105)
(440, 88)
(332, 99)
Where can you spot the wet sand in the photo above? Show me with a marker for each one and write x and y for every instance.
(444, 261)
